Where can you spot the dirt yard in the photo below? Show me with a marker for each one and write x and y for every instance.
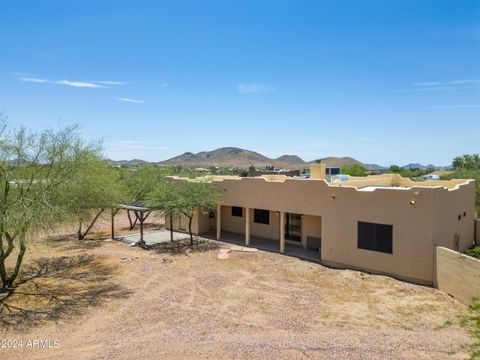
(173, 302)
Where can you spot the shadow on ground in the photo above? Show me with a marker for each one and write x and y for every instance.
(183, 247)
(51, 289)
(70, 242)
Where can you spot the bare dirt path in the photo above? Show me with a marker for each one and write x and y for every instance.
(253, 306)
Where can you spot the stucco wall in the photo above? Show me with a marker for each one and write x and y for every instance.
(201, 223)
(341, 208)
(456, 274)
(236, 224)
(311, 227)
(455, 215)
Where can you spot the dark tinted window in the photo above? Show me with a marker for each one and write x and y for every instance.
(376, 237)
(261, 216)
(237, 211)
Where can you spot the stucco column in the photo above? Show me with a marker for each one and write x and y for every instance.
(219, 222)
(247, 226)
(304, 234)
(282, 232)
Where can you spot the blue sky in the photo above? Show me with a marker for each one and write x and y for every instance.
(383, 81)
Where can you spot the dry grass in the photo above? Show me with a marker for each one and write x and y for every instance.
(183, 304)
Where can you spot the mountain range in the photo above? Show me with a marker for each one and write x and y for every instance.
(236, 157)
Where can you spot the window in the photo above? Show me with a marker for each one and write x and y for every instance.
(237, 211)
(376, 237)
(261, 216)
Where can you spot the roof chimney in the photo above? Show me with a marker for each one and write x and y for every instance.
(317, 170)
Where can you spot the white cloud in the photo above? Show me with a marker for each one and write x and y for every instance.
(466, 82)
(422, 89)
(33, 80)
(442, 85)
(125, 99)
(255, 88)
(111, 82)
(78, 84)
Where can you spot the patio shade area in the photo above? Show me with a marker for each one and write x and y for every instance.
(153, 237)
(295, 250)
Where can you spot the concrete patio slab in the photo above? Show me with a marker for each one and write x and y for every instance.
(153, 237)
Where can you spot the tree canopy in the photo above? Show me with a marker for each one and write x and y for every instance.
(37, 174)
(354, 170)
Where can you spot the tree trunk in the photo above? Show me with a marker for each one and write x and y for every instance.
(132, 224)
(171, 227)
(79, 231)
(190, 218)
(23, 249)
(93, 222)
(3, 272)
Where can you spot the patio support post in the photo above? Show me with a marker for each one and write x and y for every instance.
(282, 232)
(247, 226)
(219, 222)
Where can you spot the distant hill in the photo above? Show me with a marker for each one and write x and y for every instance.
(338, 161)
(128, 162)
(233, 157)
(236, 157)
(420, 166)
(290, 159)
(376, 167)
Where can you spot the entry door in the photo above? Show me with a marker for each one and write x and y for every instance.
(293, 227)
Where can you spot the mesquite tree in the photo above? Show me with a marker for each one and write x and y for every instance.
(37, 171)
(96, 188)
(196, 196)
(166, 197)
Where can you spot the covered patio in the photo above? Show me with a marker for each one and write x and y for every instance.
(295, 250)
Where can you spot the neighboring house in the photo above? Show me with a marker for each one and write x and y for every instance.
(382, 224)
(431, 177)
(270, 170)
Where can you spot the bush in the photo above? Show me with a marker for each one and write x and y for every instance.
(473, 251)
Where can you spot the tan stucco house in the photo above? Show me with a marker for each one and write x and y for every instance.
(382, 224)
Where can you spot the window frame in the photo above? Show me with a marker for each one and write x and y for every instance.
(367, 233)
(261, 216)
(234, 209)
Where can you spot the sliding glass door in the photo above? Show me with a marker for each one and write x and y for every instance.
(293, 227)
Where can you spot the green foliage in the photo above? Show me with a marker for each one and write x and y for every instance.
(196, 195)
(468, 167)
(471, 322)
(395, 169)
(166, 197)
(408, 173)
(354, 170)
(141, 180)
(96, 188)
(467, 162)
(473, 251)
(183, 197)
(37, 174)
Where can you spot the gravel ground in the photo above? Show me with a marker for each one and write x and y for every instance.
(181, 304)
